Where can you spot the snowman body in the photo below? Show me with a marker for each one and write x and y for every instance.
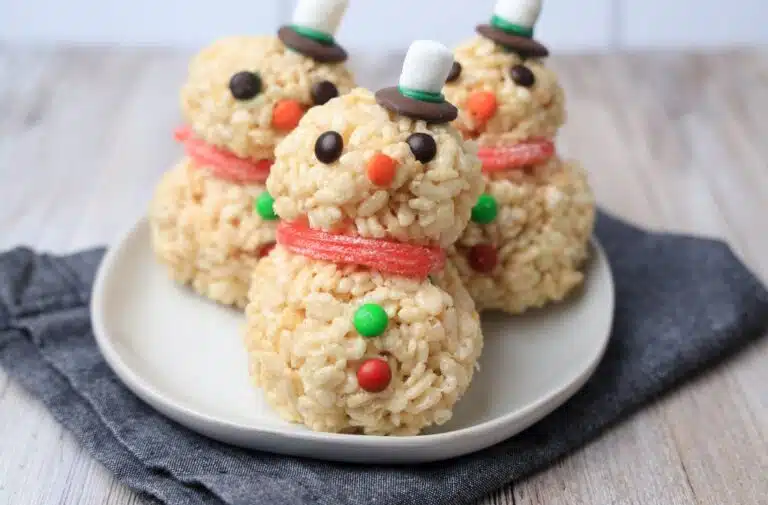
(305, 351)
(528, 250)
(242, 96)
(305, 345)
(205, 232)
(539, 239)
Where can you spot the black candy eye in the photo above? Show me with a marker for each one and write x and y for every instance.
(455, 72)
(422, 146)
(245, 85)
(523, 76)
(328, 147)
(323, 91)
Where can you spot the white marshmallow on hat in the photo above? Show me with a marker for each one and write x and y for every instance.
(426, 66)
(523, 13)
(321, 15)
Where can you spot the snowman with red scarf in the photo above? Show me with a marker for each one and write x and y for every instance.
(210, 216)
(357, 324)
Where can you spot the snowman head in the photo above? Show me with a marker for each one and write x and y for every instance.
(385, 166)
(244, 94)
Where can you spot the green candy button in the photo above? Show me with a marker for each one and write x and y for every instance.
(485, 210)
(371, 320)
(265, 206)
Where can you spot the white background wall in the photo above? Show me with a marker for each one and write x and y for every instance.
(565, 24)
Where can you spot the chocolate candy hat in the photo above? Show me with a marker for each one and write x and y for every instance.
(312, 28)
(512, 27)
(418, 93)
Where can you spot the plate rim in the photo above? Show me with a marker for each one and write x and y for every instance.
(143, 388)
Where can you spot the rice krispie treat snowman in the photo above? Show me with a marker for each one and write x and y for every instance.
(357, 324)
(530, 230)
(242, 96)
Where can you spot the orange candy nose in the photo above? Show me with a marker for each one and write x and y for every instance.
(381, 169)
(482, 105)
(286, 114)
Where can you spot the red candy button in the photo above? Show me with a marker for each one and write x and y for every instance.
(519, 155)
(374, 375)
(266, 249)
(483, 258)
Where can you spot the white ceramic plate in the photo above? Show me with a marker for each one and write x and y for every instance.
(182, 354)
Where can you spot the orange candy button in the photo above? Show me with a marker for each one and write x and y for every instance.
(287, 114)
(381, 169)
(482, 105)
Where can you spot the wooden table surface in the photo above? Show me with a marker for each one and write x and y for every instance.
(673, 141)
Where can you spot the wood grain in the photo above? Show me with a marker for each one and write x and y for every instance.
(673, 141)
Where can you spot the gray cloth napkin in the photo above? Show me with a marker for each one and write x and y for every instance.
(682, 304)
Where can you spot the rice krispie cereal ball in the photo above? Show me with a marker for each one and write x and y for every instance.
(242, 96)
(503, 97)
(356, 324)
(204, 229)
(324, 171)
(528, 238)
(530, 230)
(317, 368)
(504, 91)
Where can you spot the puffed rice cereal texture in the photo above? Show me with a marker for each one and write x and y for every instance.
(426, 203)
(205, 232)
(244, 127)
(304, 350)
(541, 235)
(522, 113)
(205, 229)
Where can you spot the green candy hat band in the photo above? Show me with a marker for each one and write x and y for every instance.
(422, 96)
(310, 33)
(512, 28)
